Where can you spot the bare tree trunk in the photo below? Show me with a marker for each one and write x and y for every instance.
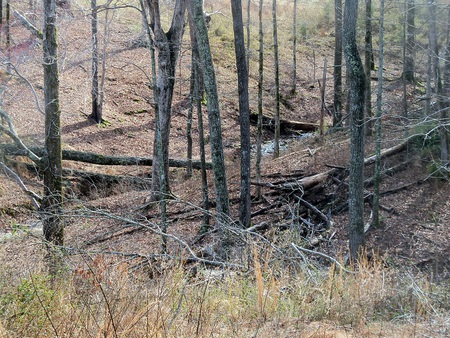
(168, 45)
(260, 100)
(410, 41)
(248, 35)
(368, 59)
(276, 146)
(357, 88)
(294, 51)
(96, 113)
(53, 222)
(376, 186)
(244, 112)
(445, 104)
(337, 76)
(215, 128)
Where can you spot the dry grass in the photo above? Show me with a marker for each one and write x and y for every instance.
(104, 297)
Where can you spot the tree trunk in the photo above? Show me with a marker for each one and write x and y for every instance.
(260, 101)
(96, 113)
(53, 222)
(356, 169)
(337, 76)
(410, 41)
(377, 180)
(294, 50)
(445, 105)
(276, 146)
(168, 45)
(244, 112)
(215, 128)
(368, 59)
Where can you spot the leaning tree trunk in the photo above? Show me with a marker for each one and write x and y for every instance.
(356, 169)
(337, 76)
(215, 128)
(244, 112)
(52, 204)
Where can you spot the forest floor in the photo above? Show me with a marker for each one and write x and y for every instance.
(414, 233)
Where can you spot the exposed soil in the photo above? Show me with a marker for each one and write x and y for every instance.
(414, 231)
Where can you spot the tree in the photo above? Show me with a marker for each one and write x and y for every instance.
(408, 71)
(376, 186)
(294, 50)
(168, 45)
(368, 66)
(53, 222)
(96, 113)
(276, 146)
(337, 76)
(215, 128)
(244, 112)
(260, 100)
(357, 87)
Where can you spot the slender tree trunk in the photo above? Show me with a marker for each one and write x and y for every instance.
(244, 112)
(378, 125)
(368, 59)
(260, 100)
(96, 113)
(8, 35)
(248, 34)
(53, 222)
(294, 51)
(357, 88)
(337, 76)
(197, 94)
(215, 128)
(410, 41)
(445, 105)
(276, 146)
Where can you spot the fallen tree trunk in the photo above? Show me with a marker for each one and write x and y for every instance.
(286, 126)
(93, 158)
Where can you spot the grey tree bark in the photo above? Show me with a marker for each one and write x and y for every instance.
(409, 66)
(168, 45)
(260, 100)
(378, 124)
(96, 113)
(244, 112)
(357, 88)
(53, 222)
(215, 128)
(368, 66)
(294, 50)
(337, 76)
(276, 146)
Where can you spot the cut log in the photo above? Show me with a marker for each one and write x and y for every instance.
(287, 127)
(93, 158)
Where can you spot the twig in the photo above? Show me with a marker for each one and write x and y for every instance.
(331, 259)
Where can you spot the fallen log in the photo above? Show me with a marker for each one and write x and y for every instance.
(93, 158)
(387, 152)
(286, 126)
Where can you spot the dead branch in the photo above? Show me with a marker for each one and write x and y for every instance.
(28, 25)
(93, 158)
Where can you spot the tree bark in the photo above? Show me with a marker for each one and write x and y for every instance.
(357, 89)
(53, 223)
(276, 146)
(378, 123)
(215, 128)
(294, 50)
(337, 76)
(244, 112)
(410, 41)
(96, 113)
(168, 45)
(368, 66)
(260, 101)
